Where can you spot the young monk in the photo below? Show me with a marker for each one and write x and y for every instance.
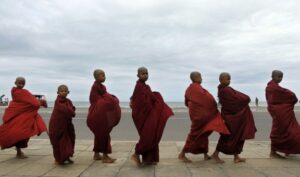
(21, 119)
(104, 114)
(150, 114)
(205, 119)
(285, 134)
(61, 129)
(238, 118)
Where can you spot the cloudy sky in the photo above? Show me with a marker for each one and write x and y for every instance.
(52, 42)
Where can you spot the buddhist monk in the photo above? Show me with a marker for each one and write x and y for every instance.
(61, 129)
(21, 119)
(205, 119)
(285, 133)
(150, 114)
(104, 114)
(238, 119)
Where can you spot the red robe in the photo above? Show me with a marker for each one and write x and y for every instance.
(21, 119)
(285, 134)
(150, 114)
(205, 119)
(104, 114)
(238, 119)
(61, 129)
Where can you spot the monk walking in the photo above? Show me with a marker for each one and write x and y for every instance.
(238, 119)
(150, 114)
(21, 119)
(205, 119)
(104, 114)
(285, 133)
(61, 128)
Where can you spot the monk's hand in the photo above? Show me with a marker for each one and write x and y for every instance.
(44, 103)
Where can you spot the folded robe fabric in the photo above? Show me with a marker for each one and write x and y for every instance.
(238, 119)
(104, 114)
(285, 133)
(21, 119)
(205, 118)
(150, 114)
(61, 129)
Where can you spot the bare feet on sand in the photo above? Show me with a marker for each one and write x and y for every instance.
(183, 158)
(136, 159)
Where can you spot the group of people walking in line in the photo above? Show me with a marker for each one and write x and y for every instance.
(150, 113)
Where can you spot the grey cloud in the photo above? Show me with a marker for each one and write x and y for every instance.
(54, 42)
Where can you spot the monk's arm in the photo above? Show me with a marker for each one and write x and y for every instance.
(62, 106)
(27, 97)
(145, 97)
(235, 97)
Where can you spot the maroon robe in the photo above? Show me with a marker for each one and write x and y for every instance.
(238, 119)
(104, 114)
(205, 119)
(21, 119)
(61, 129)
(285, 134)
(150, 114)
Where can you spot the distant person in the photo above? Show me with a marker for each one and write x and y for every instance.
(238, 118)
(205, 119)
(256, 101)
(285, 134)
(61, 128)
(150, 114)
(21, 119)
(104, 114)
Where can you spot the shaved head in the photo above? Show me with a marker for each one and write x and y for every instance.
(20, 82)
(224, 74)
(141, 69)
(224, 79)
(195, 76)
(142, 74)
(97, 72)
(277, 73)
(20, 79)
(62, 87)
(277, 76)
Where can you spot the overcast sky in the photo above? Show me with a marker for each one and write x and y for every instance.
(52, 42)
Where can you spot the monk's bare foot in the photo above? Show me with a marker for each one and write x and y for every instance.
(107, 159)
(239, 160)
(21, 155)
(207, 157)
(275, 155)
(97, 156)
(217, 158)
(70, 161)
(135, 157)
(183, 158)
